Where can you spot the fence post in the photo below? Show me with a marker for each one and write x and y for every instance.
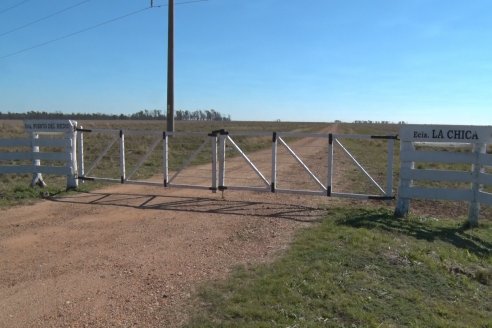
(274, 162)
(122, 156)
(477, 168)
(80, 155)
(222, 155)
(165, 159)
(71, 159)
(213, 140)
(37, 178)
(403, 203)
(389, 172)
(329, 181)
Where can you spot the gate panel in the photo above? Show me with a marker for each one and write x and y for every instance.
(302, 163)
(192, 160)
(366, 163)
(283, 162)
(245, 161)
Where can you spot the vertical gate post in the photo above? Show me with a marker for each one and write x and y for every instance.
(80, 155)
(274, 162)
(71, 159)
(222, 154)
(165, 158)
(37, 178)
(329, 181)
(389, 168)
(122, 156)
(477, 168)
(403, 203)
(213, 140)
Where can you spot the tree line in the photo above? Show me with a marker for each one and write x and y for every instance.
(377, 122)
(155, 114)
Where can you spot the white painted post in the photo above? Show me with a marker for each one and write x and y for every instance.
(122, 156)
(389, 171)
(222, 155)
(165, 159)
(403, 203)
(37, 178)
(274, 162)
(80, 150)
(213, 138)
(477, 168)
(71, 161)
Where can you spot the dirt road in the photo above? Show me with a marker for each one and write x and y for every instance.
(131, 255)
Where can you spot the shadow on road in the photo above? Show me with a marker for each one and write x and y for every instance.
(292, 212)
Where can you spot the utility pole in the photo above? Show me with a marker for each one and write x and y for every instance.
(170, 68)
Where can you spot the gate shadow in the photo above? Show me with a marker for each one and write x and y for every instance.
(299, 213)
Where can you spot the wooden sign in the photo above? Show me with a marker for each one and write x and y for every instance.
(446, 133)
(49, 125)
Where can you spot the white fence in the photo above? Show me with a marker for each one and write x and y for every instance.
(50, 149)
(219, 175)
(57, 147)
(448, 146)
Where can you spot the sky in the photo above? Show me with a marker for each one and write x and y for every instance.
(418, 61)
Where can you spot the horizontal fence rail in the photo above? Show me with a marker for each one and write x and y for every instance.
(52, 150)
(444, 145)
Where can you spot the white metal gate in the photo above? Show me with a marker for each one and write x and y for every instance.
(213, 158)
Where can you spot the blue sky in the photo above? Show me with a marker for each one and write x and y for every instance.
(419, 61)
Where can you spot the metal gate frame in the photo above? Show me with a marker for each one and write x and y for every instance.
(218, 140)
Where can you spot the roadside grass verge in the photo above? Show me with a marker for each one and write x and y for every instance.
(16, 189)
(362, 268)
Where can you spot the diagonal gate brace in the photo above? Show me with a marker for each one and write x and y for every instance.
(311, 174)
(246, 158)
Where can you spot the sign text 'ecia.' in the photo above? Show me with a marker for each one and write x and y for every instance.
(447, 133)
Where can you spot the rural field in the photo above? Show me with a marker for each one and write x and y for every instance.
(124, 255)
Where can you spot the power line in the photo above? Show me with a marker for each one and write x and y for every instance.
(179, 3)
(44, 18)
(66, 36)
(13, 7)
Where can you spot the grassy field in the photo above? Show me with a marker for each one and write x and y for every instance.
(363, 268)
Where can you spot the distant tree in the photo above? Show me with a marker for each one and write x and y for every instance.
(144, 114)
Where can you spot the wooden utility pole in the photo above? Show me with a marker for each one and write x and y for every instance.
(170, 68)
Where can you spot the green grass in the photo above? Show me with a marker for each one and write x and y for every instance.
(15, 189)
(363, 268)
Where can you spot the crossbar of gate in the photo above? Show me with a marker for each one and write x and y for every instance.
(387, 193)
(227, 138)
(219, 140)
(303, 165)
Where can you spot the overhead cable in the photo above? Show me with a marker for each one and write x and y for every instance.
(13, 7)
(44, 18)
(178, 3)
(66, 36)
